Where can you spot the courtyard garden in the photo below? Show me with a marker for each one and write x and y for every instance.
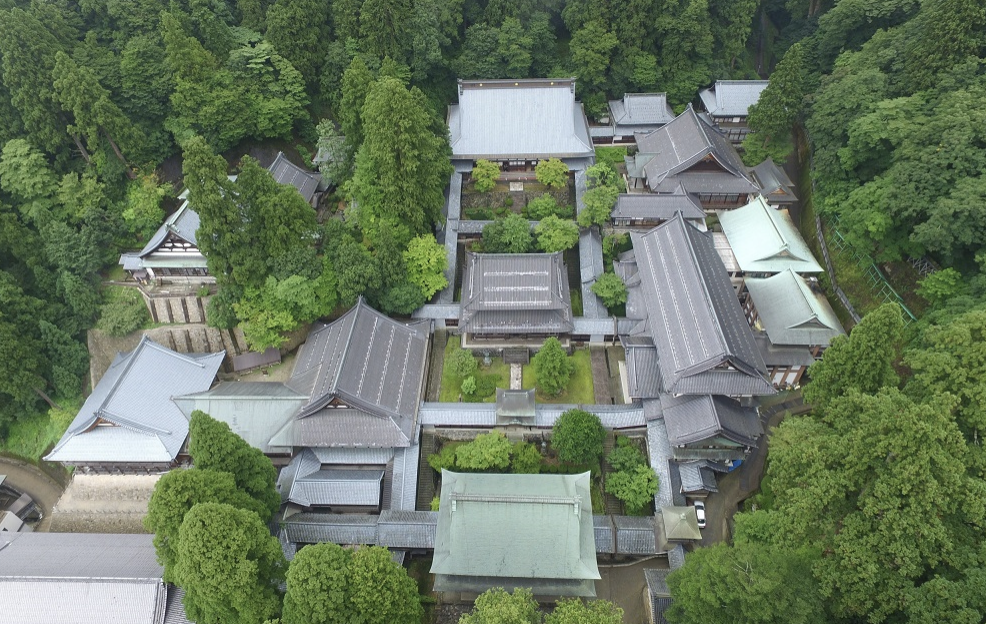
(577, 443)
(471, 379)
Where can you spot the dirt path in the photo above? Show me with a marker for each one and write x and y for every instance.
(25, 477)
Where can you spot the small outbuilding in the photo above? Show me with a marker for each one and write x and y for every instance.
(728, 103)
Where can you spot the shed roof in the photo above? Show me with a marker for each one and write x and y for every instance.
(732, 98)
(791, 312)
(529, 119)
(765, 240)
(682, 144)
(368, 362)
(704, 345)
(515, 526)
(130, 415)
(692, 419)
(67, 578)
(658, 206)
(640, 109)
(515, 293)
(286, 172)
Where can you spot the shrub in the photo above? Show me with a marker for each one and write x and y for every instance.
(552, 173)
(485, 385)
(488, 450)
(610, 289)
(125, 314)
(636, 488)
(462, 363)
(511, 234)
(598, 206)
(552, 367)
(444, 459)
(625, 456)
(484, 175)
(545, 206)
(578, 437)
(435, 502)
(525, 458)
(203, 291)
(602, 174)
(508, 202)
(554, 234)
(469, 385)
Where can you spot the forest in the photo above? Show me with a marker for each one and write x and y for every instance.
(879, 492)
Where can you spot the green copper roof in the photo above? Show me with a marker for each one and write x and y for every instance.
(680, 524)
(791, 313)
(515, 527)
(764, 239)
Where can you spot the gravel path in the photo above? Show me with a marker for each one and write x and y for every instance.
(26, 477)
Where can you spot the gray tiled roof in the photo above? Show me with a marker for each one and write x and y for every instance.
(704, 343)
(764, 239)
(370, 363)
(696, 476)
(635, 535)
(606, 326)
(605, 534)
(437, 311)
(354, 456)
(286, 172)
(643, 371)
(404, 488)
(660, 596)
(407, 529)
(65, 578)
(134, 400)
(638, 111)
(314, 528)
(659, 452)
(449, 235)
(678, 146)
(590, 258)
(691, 419)
(774, 182)
(312, 484)
(518, 118)
(774, 355)
(515, 293)
(732, 98)
(175, 612)
(484, 415)
(657, 206)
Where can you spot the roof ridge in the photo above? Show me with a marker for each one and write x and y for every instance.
(127, 423)
(119, 380)
(346, 345)
(680, 219)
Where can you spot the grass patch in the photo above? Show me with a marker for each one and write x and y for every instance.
(451, 387)
(576, 302)
(31, 437)
(579, 389)
(612, 156)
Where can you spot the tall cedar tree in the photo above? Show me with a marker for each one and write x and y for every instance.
(229, 565)
(553, 367)
(403, 165)
(213, 446)
(577, 436)
(175, 494)
(298, 30)
(779, 106)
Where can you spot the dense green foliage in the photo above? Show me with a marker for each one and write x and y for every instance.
(426, 262)
(610, 289)
(510, 234)
(488, 451)
(555, 234)
(497, 606)
(484, 175)
(545, 206)
(214, 447)
(635, 486)
(462, 363)
(577, 436)
(552, 367)
(317, 585)
(175, 493)
(229, 565)
(552, 172)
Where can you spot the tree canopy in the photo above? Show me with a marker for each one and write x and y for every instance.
(577, 436)
(553, 367)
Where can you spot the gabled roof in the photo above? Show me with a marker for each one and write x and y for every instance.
(286, 172)
(765, 240)
(130, 415)
(369, 363)
(509, 527)
(791, 312)
(515, 293)
(641, 109)
(703, 342)
(692, 419)
(732, 98)
(254, 410)
(66, 578)
(680, 145)
(696, 476)
(774, 182)
(183, 224)
(312, 484)
(528, 119)
(657, 206)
